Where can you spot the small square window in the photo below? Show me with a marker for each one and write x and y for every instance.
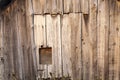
(45, 55)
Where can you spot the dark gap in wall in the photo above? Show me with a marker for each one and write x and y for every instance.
(45, 55)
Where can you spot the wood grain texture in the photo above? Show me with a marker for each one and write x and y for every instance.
(68, 7)
(85, 6)
(84, 36)
(102, 37)
(40, 40)
(75, 23)
(85, 47)
(76, 6)
(39, 6)
(1, 50)
(66, 45)
(93, 38)
(54, 41)
(48, 4)
(114, 42)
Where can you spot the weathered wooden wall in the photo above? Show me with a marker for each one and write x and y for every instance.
(16, 58)
(84, 36)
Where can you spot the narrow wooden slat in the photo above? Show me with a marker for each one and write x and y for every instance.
(102, 37)
(67, 6)
(86, 49)
(93, 39)
(39, 6)
(48, 7)
(114, 43)
(54, 41)
(54, 7)
(66, 45)
(75, 23)
(60, 6)
(85, 6)
(49, 31)
(20, 52)
(40, 39)
(76, 5)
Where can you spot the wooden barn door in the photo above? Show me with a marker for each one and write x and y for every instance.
(48, 45)
(41, 43)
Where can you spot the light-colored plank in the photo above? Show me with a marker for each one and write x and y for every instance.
(114, 42)
(111, 42)
(76, 5)
(40, 39)
(67, 6)
(86, 48)
(75, 23)
(54, 7)
(39, 6)
(54, 41)
(66, 46)
(85, 6)
(48, 7)
(102, 37)
(93, 39)
(60, 6)
(1, 51)
(39, 30)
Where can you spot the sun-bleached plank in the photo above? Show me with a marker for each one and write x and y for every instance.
(54, 41)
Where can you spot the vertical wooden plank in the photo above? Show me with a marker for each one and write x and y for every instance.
(86, 49)
(8, 58)
(75, 22)
(1, 50)
(76, 5)
(114, 41)
(85, 6)
(48, 7)
(60, 6)
(39, 6)
(102, 37)
(40, 39)
(66, 45)
(49, 31)
(93, 39)
(67, 6)
(54, 7)
(23, 44)
(111, 40)
(54, 41)
(31, 39)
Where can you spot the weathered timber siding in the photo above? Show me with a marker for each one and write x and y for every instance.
(15, 41)
(84, 36)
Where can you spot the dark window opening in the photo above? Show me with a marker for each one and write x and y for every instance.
(45, 55)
